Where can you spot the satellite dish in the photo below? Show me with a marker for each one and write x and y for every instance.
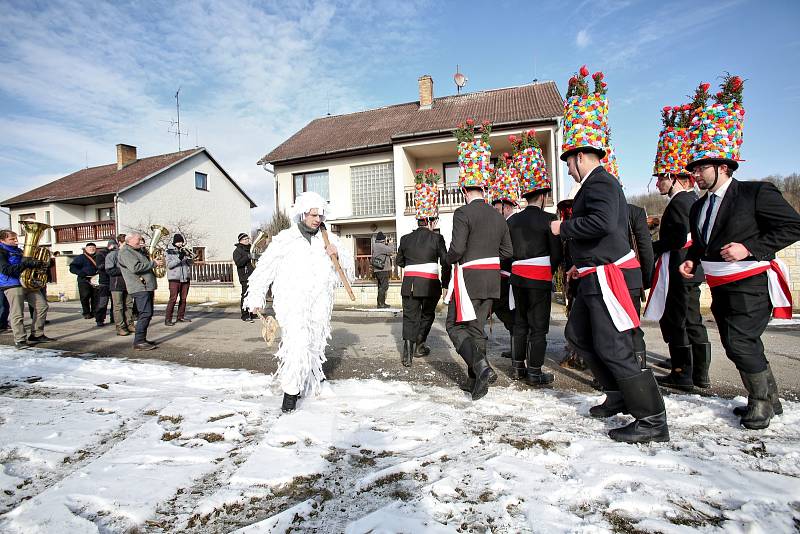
(460, 79)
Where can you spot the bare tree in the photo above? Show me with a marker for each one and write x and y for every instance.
(186, 226)
(653, 203)
(789, 186)
(279, 221)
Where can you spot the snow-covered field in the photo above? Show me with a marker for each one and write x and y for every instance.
(110, 445)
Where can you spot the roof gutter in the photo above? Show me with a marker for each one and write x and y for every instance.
(496, 125)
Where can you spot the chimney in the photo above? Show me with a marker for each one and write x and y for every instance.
(425, 92)
(126, 154)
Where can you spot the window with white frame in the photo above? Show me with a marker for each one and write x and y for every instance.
(372, 189)
(316, 181)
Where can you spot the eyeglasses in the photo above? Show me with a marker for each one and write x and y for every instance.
(700, 168)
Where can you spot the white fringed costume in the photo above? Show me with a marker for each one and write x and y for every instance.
(303, 281)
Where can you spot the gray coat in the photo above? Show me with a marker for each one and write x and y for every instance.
(382, 249)
(137, 269)
(178, 268)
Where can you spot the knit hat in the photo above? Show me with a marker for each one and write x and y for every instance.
(380, 237)
(242, 236)
(426, 194)
(717, 130)
(178, 238)
(475, 169)
(585, 116)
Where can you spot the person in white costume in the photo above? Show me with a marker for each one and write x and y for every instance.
(298, 266)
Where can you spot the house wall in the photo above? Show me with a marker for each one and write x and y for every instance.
(217, 216)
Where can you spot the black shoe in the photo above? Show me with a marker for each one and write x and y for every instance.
(143, 346)
(153, 343)
(40, 339)
(88, 316)
(289, 403)
(21, 345)
(468, 385)
(680, 377)
(701, 362)
(610, 407)
(422, 348)
(167, 322)
(483, 375)
(518, 370)
(408, 353)
(184, 320)
(505, 354)
(100, 324)
(538, 378)
(773, 397)
(759, 410)
(644, 402)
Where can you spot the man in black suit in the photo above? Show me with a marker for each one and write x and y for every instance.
(418, 254)
(642, 244)
(737, 228)
(480, 240)
(606, 269)
(501, 308)
(675, 301)
(537, 255)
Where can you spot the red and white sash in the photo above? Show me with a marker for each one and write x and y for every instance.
(422, 270)
(615, 292)
(458, 289)
(657, 299)
(533, 269)
(778, 282)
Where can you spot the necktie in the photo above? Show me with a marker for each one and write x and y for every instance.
(711, 200)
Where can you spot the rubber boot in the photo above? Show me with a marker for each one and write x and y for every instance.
(518, 355)
(408, 352)
(422, 348)
(759, 408)
(480, 346)
(643, 399)
(611, 406)
(536, 377)
(701, 362)
(680, 377)
(289, 403)
(479, 366)
(773, 397)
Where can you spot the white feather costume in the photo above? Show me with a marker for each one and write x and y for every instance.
(303, 281)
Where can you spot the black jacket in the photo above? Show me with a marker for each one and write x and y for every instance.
(672, 234)
(244, 264)
(423, 246)
(479, 231)
(83, 268)
(639, 232)
(754, 214)
(100, 257)
(531, 238)
(597, 234)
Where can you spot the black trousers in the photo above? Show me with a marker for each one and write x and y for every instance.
(418, 315)
(742, 310)
(245, 313)
(86, 292)
(101, 297)
(144, 303)
(501, 309)
(638, 333)
(382, 277)
(607, 351)
(531, 323)
(474, 330)
(682, 324)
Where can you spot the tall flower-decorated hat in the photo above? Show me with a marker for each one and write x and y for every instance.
(529, 161)
(426, 193)
(609, 161)
(717, 130)
(475, 167)
(585, 115)
(672, 151)
(505, 187)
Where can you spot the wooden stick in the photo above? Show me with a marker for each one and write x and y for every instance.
(336, 264)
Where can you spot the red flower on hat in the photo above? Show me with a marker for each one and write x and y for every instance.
(667, 109)
(686, 107)
(736, 83)
(584, 71)
(531, 132)
(418, 171)
(705, 86)
(512, 138)
(470, 122)
(573, 80)
(604, 84)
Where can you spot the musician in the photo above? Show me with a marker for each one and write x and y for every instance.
(140, 281)
(85, 268)
(243, 258)
(12, 264)
(121, 300)
(298, 267)
(179, 275)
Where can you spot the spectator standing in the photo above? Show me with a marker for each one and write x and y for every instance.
(179, 275)
(121, 300)
(137, 270)
(85, 268)
(245, 266)
(382, 266)
(103, 290)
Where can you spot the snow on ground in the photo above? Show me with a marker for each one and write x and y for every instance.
(90, 444)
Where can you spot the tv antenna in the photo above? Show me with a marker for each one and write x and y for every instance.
(175, 125)
(460, 79)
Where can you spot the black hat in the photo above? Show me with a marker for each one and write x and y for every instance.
(178, 238)
(242, 236)
(380, 237)
(90, 245)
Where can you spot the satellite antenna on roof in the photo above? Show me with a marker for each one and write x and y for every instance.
(175, 125)
(460, 80)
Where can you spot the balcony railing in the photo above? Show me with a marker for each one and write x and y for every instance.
(91, 231)
(213, 273)
(364, 269)
(450, 198)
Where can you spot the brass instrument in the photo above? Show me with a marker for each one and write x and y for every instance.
(34, 278)
(260, 238)
(157, 252)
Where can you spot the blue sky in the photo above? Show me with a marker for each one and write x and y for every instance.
(76, 78)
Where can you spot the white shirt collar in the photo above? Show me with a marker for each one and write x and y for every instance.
(721, 191)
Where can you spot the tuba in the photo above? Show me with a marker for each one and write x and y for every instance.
(34, 278)
(157, 252)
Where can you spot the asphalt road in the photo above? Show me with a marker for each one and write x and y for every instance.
(366, 344)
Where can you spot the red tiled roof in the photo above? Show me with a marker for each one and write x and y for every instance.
(377, 127)
(102, 180)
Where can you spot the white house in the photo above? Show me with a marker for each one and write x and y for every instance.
(187, 192)
(364, 162)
